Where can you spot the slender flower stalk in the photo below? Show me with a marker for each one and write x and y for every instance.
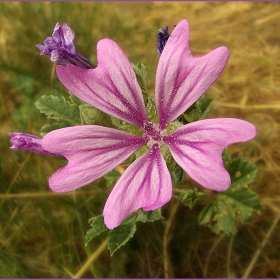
(28, 142)
(61, 48)
(92, 151)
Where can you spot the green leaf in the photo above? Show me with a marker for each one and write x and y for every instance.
(130, 128)
(204, 106)
(53, 126)
(199, 110)
(141, 74)
(97, 227)
(116, 122)
(226, 158)
(149, 216)
(91, 115)
(121, 125)
(141, 151)
(59, 109)
(188, 197)
(112, 177)
(173, 126)
(151, 110)
(120, 235)
(176, 172)
(75, 100)
(235, 204)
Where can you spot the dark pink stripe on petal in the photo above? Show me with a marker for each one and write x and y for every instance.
(197, 147)
(145, 184)
(181, 79)
(91, 151)
(112, 87)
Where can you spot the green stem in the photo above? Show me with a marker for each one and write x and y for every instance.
(229, 256)
(259, 250)
(165, 239)
(91, 260)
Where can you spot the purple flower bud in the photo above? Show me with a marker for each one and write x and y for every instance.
(162, 38)
(61, 48)
(28, 142)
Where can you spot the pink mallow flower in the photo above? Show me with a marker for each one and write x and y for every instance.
(92, 150)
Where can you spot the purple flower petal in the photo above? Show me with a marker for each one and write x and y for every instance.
(112, 87)
(197, 147)
(61, 48)
(146, 184)
(181, 79)
(27, 142)
(91, 150)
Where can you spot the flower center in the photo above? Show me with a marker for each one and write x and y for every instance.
(152, 133)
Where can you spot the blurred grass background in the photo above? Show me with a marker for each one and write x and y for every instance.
(42, 233)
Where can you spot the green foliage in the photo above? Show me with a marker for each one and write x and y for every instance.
(75, 100)
(151, 110)
(120, 235)
(66, 113)
(97, 227)
(149, 216)
(176, 172)
(53, 126)
(141, 151)
(188, 197)
(91, 115)
(235, 204)
(43, 230)
(130, 128)
(7, 262)
(116, 122)
(199, 110)
(59, 109)
(112, 177)
(121, 125)
(26, 115)
(141, 74)
(24, 83)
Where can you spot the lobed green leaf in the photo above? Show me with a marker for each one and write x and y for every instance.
(141, 74)
(91, 115)
(59, 109)
(75, 100)
(97, 227)
(149, 216)
(120, 235)
(236, 203)
(53, 126)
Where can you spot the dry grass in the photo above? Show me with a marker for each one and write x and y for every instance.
(42, 233)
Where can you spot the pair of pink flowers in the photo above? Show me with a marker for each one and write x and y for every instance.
(112, 87)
